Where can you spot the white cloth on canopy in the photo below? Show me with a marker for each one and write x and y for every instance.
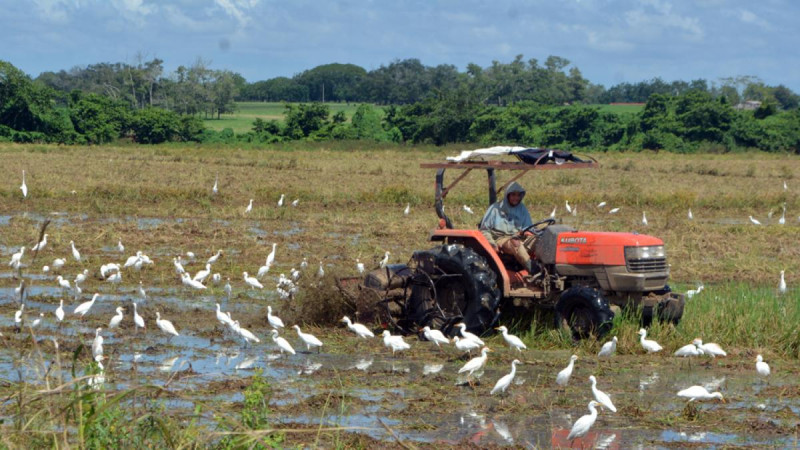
(499, 150)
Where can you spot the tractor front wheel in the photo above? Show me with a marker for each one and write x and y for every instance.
(583, 311)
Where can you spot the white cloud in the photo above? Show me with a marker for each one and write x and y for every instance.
(749, 17)
(56, 11)
(238, 9)
(662, 21)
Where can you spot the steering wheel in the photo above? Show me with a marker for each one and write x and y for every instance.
(534, 228)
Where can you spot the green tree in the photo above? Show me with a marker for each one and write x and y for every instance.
(304, 119)
(155, 125)
(99, 118)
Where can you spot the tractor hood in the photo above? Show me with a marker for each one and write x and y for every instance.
(563, 245)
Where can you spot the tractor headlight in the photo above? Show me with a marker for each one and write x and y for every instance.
(646, 252)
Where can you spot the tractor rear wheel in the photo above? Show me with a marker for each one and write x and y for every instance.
(583, 311)
(465, 289)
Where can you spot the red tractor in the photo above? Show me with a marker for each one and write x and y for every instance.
(586, 277)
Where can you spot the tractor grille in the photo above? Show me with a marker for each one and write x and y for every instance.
(647, 265)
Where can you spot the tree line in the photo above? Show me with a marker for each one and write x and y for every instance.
(520, 102)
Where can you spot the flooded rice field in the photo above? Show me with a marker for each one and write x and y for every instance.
(415, 397)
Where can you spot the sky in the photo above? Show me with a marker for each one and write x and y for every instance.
(610, 41)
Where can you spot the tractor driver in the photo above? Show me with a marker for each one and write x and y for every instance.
(502, 223)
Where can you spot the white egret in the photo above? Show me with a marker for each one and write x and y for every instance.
(216, 278)
(475, 363)
(357, 328)
(304, 263)
(115, 277)
(227, 288)
(24, 187)
(709, 348)
(41, 244)
(692, 292)
(688, 350)
(690, 215)
(321, 270)
(190, 255)
(396, 343)
(18, 315)
(246, 335)
(263, 270)
(75, 253)
(165, 325)
(575, 210)
(699, 393)
(782, 220)
(601, 396)
(754, 221)
(84, 307)
(465, 345)
(563, 377)
(295, 202)
(249, 207)
(649, 345)
(608, 348)
(215, 188)
(81, 277)
(45, 269)
(37, 320)
(188, 281)
(785, 187)
(202, 274)
(467, 335)
(511, 340)
(222, 318)
(584, 423)
(503, 383)
(553, 213)
(58, 263)
(614, 210)
(566, 205)
(120, 247)
(106, 269)
(60, 310)
(761, 367)
(282, 343)
(407, 210)
(178, 266)
(309, 339)
(138, 320)
(215, 257)
(64, 284)
(271, 255)
(384, 261)
(115, 321)
(274, 321)
(140, 290)
(252, 282)
(435, 336)
(16, 258)
(280, 200)
(782, 283)
(601, 204)
(97, 344)
(644, 219)
(359, 266)
(468, 210)
(132, 260)
(294, 273)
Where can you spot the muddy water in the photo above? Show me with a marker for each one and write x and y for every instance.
(416, 396)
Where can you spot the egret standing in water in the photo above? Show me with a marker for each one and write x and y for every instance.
(396, 343)
(357, 328)
(84, 307)
(282, 343)
(563, 377)
(114, 323)
(601, 396)
(503, 383)
(60, 310)
(274, 321)
(252, 282)
(582, 425)
(309, 339)
(699, 393)
(475, 363)
(166, 326)
(137, 319)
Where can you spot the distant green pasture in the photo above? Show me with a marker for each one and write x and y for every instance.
(247, 112)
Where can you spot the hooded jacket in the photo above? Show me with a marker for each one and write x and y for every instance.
(502, 219)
